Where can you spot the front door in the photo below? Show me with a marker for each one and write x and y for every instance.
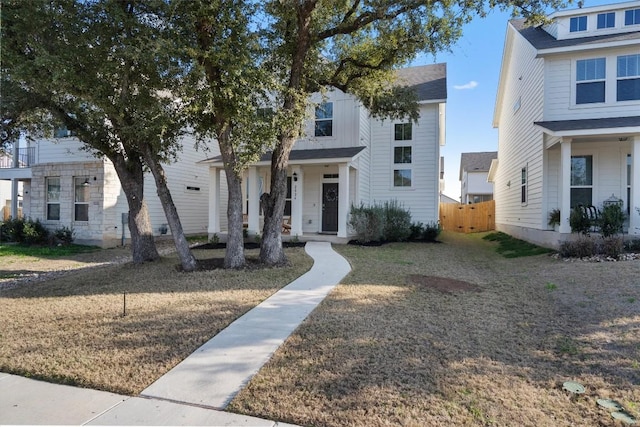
(330, 207)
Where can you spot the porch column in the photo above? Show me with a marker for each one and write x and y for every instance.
(253, 213)
(14, 181)
(297, 182)
(565, 185)
(214, 201)
(634, 197)
(343, 199)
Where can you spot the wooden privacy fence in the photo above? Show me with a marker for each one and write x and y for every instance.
(468, 218)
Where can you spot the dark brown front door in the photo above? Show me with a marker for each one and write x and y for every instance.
(330, 207)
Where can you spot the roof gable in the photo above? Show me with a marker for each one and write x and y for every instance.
(476, 162)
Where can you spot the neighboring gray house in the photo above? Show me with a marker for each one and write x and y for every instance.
(348, 158)
(474, 170)
(568, 119)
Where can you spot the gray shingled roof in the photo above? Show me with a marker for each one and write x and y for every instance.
(298, 155)
(429, 81)
(541, 40)
(476, 162)
(590, 124)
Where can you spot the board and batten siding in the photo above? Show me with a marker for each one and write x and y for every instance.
(346, 115)
(520, 143)
(422, 199)
(560, 86)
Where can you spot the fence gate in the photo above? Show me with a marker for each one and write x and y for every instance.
(472, 218)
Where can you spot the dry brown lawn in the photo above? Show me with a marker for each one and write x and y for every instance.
(71, 327)
(400, 344)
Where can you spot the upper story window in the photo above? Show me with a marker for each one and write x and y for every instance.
(62, 132)
(628, 85)
(324, 119)
(632, 17)
(606, 20)
(401, 154)
(578, 23)
(402, 132)
(53, 198)
(590, 80)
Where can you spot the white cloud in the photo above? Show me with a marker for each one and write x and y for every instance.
(472, 84)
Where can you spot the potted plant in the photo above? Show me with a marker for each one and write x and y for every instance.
(554, 218)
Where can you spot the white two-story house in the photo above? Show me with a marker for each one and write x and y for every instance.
(568, 116)
(64, 185)
(348, 158)
(474, 170)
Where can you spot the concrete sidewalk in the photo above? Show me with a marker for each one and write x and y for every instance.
(196, 389)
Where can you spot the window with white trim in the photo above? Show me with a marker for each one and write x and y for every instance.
(53, 198)
(523, 185)
(578, 23)
(324, 119)
(590, 80)
(632, 17)
(628, 84)
(403, 132)
(606, 20)
(581, 181)
(81, 199)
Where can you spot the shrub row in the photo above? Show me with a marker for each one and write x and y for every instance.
(609, 221)
(587, 246)
(388, 222)
(30, 232)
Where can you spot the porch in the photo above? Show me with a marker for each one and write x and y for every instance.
(590, 161)
(322, 184)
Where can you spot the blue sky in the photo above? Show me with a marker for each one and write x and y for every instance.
(473, 70)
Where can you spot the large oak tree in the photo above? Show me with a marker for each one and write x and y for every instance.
(101, 68)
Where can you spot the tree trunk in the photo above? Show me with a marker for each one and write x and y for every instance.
(143, 246)
(271, 252)
(187, 260)
(234, 255)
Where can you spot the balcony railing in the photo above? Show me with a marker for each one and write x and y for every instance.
(26, 158)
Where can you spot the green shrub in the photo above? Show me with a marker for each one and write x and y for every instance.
(432, 231)
(632, 245)
(416, 231)
(554, 217)
(367, 222)
(583, 246)
(611, 220)
(33, 232)
(397, 222)
(612, 246)
(64, 235)
(21, 230)
(579, 221)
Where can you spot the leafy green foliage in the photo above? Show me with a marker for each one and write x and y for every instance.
(20, 230)
(397, 222)
(367, 222)
(510, 247)
(579, 221)
(422, 232)
(65, 235)
(611, 220)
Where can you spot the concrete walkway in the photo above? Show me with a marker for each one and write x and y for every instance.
(197, 388)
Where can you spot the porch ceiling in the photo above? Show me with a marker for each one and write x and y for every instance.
(300, 157)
